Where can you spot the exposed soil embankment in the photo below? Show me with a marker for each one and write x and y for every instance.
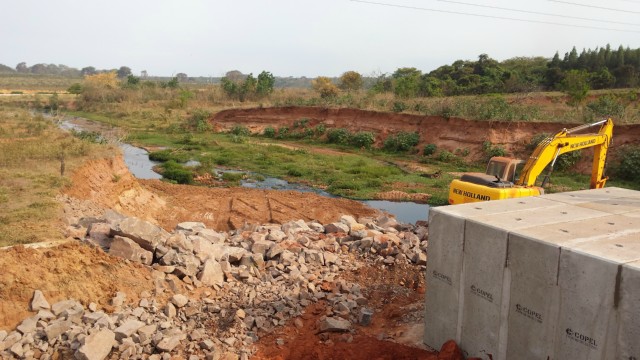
(449, 134)
(108, 183)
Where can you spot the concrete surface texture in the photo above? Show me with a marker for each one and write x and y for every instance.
(541, 277)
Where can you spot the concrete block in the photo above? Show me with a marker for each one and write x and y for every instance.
(583, 196)
(444, 267)
(490, 208)
(629, 315)
(589, 280)
(485, 255)
(613, 206)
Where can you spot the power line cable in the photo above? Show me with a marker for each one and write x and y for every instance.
(536, 12)
(596, 7)
(492, 16)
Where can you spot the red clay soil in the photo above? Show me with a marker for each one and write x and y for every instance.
(108, 183)
(69, 271)
(396, 294)
(449, 134)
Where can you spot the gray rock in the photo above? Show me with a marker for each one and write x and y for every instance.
(336, 227)
(234, 254)
(146, 234)
(295, 227)
(179, 300)
(10, 340)
(39, 301)
(276, 235)
(170, 310)
(63, 305)
(316, 226)
(334, 324)
(179, 241)
(128, 249)
(28, 325)
(365, 316)
(330, 258)
(420, 258)
(190, 226)
(313, 257)
(207, 345)
(92, 318)
(127, 329)
(99, 235)
(17, 350)
(3, 334)
(168, 343)
(212, 235)
(274, 251)
(118, 300)
(211, 273)
(96, 346)
(348, 220)
(145, 333)
(205, 249)
(261, 247)
(55, 329)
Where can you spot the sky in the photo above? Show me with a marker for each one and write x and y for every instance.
(304, 37)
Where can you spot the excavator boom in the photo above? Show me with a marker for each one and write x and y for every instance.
(501, 181)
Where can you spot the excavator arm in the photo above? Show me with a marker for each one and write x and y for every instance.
(567, 141)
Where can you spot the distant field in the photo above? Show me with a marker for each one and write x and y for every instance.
(35, 83)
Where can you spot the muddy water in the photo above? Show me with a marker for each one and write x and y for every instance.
(137, 160)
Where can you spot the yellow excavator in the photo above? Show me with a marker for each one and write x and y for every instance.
(510, 178)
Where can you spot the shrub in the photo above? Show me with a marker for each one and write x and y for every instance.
(338, 136)
(176, 172)
(399, 106)
(240, 130)
(283, 132)
(198, 121)
(628, 164)
(429, 149)
(606, 106)
(233, 177)
(401, 142)
(294, 172)
(169, 155)
(362, 139)
(491, 151)
(446, 156)
(269, 132)
(320, 129)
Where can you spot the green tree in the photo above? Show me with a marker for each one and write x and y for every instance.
(247, 88)
(406, 82)
(350, 80)
(576, 85)
(266, 80)
(123, 72)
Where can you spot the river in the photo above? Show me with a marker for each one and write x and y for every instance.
(137, 160)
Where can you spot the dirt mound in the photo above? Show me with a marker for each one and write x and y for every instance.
(449, 134)
(107, 182)
(69, 271)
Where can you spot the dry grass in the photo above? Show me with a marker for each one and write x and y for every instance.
(31, 153)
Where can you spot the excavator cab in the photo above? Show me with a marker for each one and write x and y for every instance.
(505, 169)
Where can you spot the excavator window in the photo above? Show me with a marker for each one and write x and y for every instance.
(496, 168)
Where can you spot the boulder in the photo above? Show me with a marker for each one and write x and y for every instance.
(39, 302)
(179, 300)
(334, 324)
(261, 247)
(98, 235)
(128, 249)
(57, 328)
(96, 346)
(336, 227)
(179, 241)
(169, 342)
(295, 227)
(211, 273)
(212, 235)
(276, 235)
(146, 234)
(127, 329)
(190, 226)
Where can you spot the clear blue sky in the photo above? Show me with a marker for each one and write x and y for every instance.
(301, 38)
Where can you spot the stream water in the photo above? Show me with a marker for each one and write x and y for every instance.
(137, 160)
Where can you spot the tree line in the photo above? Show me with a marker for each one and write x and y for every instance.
(601, 68)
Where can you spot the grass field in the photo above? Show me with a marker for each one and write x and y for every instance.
(32, 150)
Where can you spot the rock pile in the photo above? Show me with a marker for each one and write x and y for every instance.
(239, 284)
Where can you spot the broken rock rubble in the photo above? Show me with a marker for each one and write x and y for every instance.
(251, 279)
